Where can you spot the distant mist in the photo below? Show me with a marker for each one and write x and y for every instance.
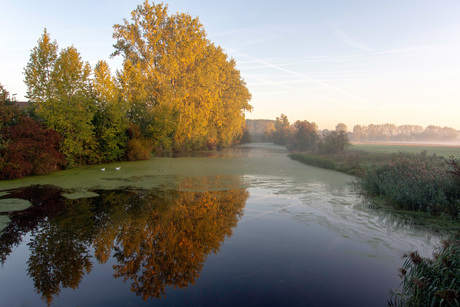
(406, 134)
(259, 130)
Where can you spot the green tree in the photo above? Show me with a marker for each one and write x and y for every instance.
(4, 95)
(59, 91)
(335, 141)
(246, 137)
(110, 122)
(305, 136)
(39, 70)
(281, 133)
(9, 115)
(72, 112)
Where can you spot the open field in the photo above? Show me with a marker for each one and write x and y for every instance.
(440, 150)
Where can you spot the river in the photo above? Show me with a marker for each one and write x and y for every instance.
(245, 226)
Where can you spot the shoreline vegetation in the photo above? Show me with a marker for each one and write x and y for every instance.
(407, 181)
(418, 182)
(413, 181)
(176, 92)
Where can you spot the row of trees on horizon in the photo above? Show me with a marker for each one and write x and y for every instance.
(403, 133)
(261, 130)
(176, 91)
(300, 136)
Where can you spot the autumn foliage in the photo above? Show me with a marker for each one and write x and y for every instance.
(138, 149)
(157, 239)
(175, 85)
(27, 148)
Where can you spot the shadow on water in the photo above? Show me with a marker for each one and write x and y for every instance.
(159, 238)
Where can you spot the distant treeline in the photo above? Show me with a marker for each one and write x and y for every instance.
(176, 91)
(261, 130)
(406, 133)
(300, 136)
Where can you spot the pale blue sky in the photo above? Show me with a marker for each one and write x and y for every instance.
(357, 62)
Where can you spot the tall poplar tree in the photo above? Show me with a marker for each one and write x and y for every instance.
(59, 91)
(72, 112)
(282, 131)
(109, 121)
(182, 90)
(39, 69)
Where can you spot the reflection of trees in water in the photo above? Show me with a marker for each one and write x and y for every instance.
(46, 201)
(159, 238)
(59, 258)
(156, 249)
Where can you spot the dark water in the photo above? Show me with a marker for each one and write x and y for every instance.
(242, 227)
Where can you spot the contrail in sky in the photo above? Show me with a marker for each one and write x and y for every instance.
(310, 79)
(302, 91)
(348, 40)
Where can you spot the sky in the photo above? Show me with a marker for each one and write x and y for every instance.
(326, 61)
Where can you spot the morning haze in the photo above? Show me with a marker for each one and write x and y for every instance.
(229, 153)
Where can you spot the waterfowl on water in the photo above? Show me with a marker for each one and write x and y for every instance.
(103, 169)
(118, 168)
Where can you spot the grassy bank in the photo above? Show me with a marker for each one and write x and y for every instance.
(420, 182)
(408, 181)
(440, 150)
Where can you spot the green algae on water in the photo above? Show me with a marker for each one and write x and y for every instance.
(14, 204)
(4, 221)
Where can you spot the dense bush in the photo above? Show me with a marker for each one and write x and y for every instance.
(30, 149)
(417, 182)
(414, 182)
(334, 141)
(455, 168)
(314, 160)
(430, 282)
(138, 149)
(304, 136)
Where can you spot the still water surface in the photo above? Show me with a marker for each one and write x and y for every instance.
(246, 226)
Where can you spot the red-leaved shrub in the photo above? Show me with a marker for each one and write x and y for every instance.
(30, 149)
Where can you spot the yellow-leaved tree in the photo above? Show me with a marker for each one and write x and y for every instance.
(183, 92)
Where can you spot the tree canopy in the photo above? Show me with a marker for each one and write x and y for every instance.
(176, 91)
(182, 90)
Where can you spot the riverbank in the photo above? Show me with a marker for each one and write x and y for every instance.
(445, 150)
(408, 181)
(311, 229)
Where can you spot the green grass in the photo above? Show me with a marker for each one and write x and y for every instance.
(443, 151)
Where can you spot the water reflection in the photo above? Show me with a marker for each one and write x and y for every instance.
(306, 235)
(159, 238)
